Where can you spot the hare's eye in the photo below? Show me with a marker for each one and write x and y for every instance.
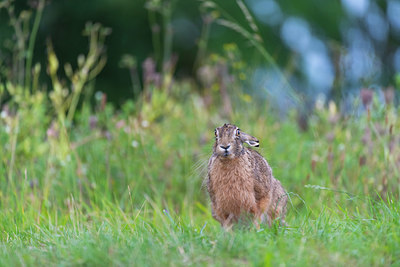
(237, 132)
(215, 132)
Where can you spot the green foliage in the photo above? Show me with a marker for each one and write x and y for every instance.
(103, 203)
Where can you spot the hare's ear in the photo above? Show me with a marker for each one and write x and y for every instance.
(248, 139)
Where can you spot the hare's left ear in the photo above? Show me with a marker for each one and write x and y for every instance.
(248, 139)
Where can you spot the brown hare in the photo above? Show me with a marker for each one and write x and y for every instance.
(240, 181)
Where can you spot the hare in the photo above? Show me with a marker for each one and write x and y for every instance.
(240, 181)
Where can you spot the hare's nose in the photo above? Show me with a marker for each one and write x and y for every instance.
(225, 147)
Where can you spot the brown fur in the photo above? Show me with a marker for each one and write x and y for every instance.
(240, 181)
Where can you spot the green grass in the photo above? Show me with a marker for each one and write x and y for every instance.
(127, 190)
(117, 238)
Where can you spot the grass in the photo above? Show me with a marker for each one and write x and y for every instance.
(115, 238)
(127, 189)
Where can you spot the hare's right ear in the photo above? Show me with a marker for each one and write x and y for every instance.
(248, 139)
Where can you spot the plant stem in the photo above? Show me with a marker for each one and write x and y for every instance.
(166, 13)
(201, 52)
(155, 36)
(31, 45)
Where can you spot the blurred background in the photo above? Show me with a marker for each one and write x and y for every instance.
(330, 49)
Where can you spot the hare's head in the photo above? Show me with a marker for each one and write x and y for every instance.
(229, 141)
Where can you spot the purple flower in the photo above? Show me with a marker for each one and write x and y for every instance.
(93, 120)
(366, 96)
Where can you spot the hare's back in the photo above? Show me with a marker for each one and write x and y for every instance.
(259, 164)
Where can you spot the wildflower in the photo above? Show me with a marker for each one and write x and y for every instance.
(208, 19)
(135, 143)
(120, 124)
(3, 114)
(320, 102)
(302, 121)
(98, 96)
(145, 124)
(33, 183)
(107, 135)
(330, 136)
(362, 160)
(332, 108)
(207, 75)
(389, 95)
(52, 132)
(149, 72)
(366, 139)
(366, 96)
(93, 121)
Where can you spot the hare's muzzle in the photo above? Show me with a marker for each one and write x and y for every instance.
(225, 150)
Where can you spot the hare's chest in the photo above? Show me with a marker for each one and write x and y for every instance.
(233, 188)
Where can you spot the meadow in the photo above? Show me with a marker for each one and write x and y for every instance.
(84, 182)
(125, 187)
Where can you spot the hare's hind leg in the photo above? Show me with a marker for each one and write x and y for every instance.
(282, 211)
(256, 213)
(263, 215)
(278, 211)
